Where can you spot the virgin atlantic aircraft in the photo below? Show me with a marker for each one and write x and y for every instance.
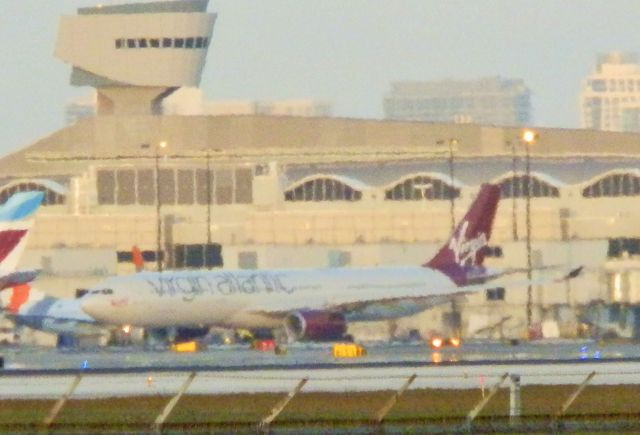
(311, 304)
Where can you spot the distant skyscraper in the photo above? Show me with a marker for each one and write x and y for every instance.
(496, 101)
(303, 108)
(187, 101)
(80, 107)
(610, 97)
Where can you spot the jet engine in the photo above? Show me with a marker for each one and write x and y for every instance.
(315, 325)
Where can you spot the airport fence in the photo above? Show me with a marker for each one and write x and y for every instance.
(457, 398)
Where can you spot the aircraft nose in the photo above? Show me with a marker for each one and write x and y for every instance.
(93, 306)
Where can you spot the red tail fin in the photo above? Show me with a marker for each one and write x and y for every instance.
(137, 259)
(467, 244)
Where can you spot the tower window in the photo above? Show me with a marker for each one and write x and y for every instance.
(178, 43)
(166, 42)
(154, 42)
(189, 42)
(131, 43)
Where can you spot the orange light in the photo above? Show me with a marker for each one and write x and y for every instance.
(529, 136)
(126, 329)
(436, 357)
(454, 341)
(436, 342)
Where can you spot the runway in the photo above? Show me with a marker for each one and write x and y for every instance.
(37, 373)
(311, 353)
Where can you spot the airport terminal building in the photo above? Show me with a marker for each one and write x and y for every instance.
(281, 191)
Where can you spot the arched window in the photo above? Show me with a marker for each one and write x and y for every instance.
(516, 186)
(423, 186)
(55, 193)
(619, 183)
(325, 188)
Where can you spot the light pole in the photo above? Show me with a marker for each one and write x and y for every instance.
(452, 190)
(209, 195)
(158, 148)
(208, 198)
(514, 204)
(528, 138)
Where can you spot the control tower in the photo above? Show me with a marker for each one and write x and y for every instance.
(136, 54)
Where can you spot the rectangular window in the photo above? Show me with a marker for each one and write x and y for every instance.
(178, 256)
(202, 194)
(199, 42)
(119, 43)
(213, 255)
(244, 186)
(224, 187)
(106, 181)
(194, 256)
(178, 42)
(493, 251)
(127, 257)
(205, 42)
(631, 246)
(126, 193)
(495, 294)
(615, 248)
(247, 260)
(167, 183)
(185, 186)
(124, 256)
(131, 43)
(142, 43)
(154, 42)
(146, 187)
(198, 255)
(189, 42)
(166, 42)
(339, 258)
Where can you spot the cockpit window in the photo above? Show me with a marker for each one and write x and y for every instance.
(105, 291)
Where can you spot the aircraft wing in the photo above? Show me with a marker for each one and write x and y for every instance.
(569, 273)
(405, 305)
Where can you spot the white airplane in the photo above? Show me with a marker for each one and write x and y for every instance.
(20, 301)
(311, 304)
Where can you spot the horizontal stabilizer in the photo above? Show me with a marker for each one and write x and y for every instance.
(21, 205)
(18, 278)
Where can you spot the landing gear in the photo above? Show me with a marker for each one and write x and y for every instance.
(66, 341)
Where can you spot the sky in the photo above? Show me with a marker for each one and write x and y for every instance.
(346, 52)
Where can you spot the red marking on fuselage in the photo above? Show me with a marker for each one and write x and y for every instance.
(119, 302)
(9, 239)
(19, 295)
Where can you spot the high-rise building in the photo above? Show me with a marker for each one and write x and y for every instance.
(304, 108)
(610, 97)
(189, 101)
(489, 101)
(80, 107)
